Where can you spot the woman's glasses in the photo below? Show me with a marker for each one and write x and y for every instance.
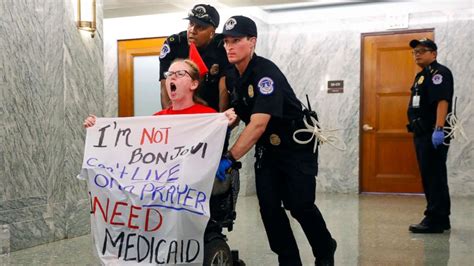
(178, 73)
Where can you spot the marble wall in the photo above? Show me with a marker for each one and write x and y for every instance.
(312, 52)
(51, 77)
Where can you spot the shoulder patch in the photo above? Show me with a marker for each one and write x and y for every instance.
(437, 79)
(265, 86)
(165, 50)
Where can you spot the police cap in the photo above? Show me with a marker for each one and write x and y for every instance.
(425, 42)
(204, 15)
(240, 26)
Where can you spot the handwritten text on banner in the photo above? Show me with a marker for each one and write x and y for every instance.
(150, 180)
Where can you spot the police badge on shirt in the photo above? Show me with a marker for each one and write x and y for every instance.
(214, 69)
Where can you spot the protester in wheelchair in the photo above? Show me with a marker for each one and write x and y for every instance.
(182, 83)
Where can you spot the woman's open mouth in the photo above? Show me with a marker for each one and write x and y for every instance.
(172, 87)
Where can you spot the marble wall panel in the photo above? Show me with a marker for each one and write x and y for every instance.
(23, 102)
(110, 77)
(84, 94)
(309, 60)
(30, 117)
(51, 78)
(456, 51)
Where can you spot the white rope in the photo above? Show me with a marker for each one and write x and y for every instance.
(454, 129)
(322, 135)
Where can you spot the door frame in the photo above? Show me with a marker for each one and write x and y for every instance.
(125, 88)
(361, 87)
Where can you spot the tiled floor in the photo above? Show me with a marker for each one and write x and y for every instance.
(370, 230)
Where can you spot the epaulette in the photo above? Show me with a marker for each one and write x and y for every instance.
(176, 38)
(433, 69)
(173, 39)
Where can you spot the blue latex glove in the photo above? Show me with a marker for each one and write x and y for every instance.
(437, 138)
(224, 165)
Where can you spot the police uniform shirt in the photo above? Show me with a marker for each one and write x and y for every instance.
(433, 84)
(264, 89)
(214, 56)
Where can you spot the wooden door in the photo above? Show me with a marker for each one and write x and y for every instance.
(388, 161)
(127, 51)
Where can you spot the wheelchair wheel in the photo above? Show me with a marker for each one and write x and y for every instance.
(217, 253)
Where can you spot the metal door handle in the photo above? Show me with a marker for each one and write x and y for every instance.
(367, 127)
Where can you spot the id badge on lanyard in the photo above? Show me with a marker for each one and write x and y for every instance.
(415, 101)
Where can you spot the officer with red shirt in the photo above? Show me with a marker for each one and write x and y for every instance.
(203, 21)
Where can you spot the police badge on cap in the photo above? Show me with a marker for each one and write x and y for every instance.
(204, 15)
(230, 24)
(240, 26)
(424, 42)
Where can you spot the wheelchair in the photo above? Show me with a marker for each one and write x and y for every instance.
(222, 205)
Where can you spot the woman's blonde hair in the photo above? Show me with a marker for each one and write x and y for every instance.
(194, 74)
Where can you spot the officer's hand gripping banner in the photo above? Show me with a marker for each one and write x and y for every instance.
(150, 181)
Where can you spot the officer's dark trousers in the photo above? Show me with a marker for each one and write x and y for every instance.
(432, 164)
(289, 177)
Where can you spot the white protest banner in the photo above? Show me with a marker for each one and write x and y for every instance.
(150, 181)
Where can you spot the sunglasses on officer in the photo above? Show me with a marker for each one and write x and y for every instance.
(178, 73)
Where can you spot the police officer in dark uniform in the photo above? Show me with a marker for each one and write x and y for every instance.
(430, 102)
(203, 21)
(284, 170)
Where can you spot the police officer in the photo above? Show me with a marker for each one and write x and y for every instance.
(203, 21)
(284, 170)
(430, 102)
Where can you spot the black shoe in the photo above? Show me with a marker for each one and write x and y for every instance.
(423, 228)
(328, 261)
(446, 224)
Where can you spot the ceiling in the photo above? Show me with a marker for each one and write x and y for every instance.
(123, 8)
